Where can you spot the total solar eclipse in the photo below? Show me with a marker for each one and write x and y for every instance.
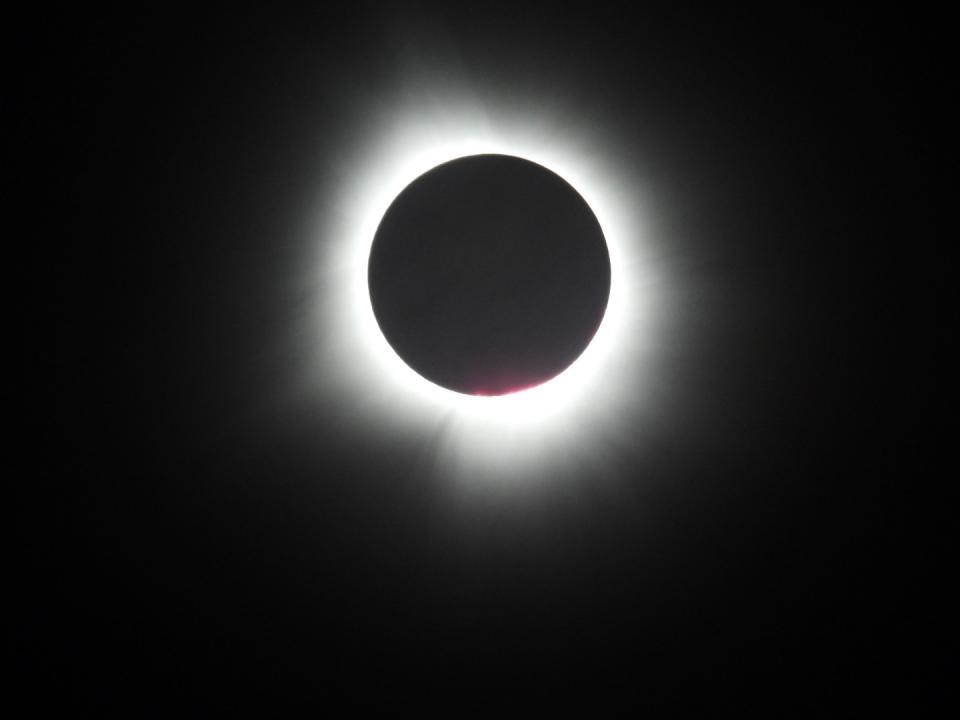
(489, 274)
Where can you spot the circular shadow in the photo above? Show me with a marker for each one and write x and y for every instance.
(489, 274)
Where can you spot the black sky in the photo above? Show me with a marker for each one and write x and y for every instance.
(197, 536)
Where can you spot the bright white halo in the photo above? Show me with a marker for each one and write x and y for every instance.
(502, 437)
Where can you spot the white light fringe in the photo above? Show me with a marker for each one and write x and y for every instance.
(534, 432)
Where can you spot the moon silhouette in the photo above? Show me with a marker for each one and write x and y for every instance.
(489, 274)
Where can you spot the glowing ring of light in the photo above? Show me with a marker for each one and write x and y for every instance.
(373, 382)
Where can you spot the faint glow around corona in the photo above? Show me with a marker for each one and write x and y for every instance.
(519, 429)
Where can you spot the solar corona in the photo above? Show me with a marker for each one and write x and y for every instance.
(399, 349)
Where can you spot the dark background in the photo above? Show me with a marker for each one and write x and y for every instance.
(181, 548)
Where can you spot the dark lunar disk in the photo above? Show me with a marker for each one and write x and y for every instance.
(489, 274)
